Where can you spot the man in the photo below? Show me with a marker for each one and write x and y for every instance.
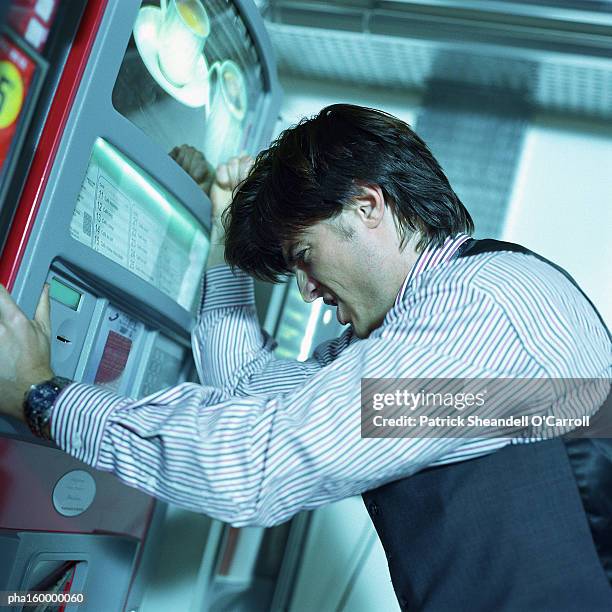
(354, 204)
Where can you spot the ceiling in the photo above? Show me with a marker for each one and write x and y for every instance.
(554, 55)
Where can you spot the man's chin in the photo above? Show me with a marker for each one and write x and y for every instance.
(362, 335)
(363, 330)
(360, 331)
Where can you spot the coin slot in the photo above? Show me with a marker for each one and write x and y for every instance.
(63, 339)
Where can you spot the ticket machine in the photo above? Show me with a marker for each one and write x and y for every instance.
(120, 232)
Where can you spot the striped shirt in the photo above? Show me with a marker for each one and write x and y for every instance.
(262, 438)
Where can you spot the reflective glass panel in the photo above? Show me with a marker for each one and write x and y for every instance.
(191, 75)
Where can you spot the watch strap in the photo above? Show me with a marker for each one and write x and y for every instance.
(38, 402)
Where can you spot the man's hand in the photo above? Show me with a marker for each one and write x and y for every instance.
(217, 185)
(24, 351)
(195, 165)
(227, 178)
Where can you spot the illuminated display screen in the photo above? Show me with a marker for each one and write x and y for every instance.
(64, 294)
(123, 214)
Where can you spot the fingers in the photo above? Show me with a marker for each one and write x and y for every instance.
(8, 307)
(194, 164)
(222, 176)
(43, 311)
(245, 164)
(177, 154)
(234, 171)
(201, 170)
(228, 175)
(182, 157)
(9, 311)
(192, 161)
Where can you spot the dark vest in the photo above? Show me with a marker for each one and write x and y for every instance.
(527, 528)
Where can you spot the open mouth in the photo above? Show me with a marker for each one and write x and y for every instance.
(333, 301)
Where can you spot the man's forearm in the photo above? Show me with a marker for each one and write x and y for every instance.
(216, 254)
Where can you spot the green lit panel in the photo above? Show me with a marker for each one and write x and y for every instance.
(125, 215)
(64, 294)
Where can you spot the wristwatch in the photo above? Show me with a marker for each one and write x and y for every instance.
(38, 402)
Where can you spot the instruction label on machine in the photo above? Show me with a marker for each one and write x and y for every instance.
(140, 235)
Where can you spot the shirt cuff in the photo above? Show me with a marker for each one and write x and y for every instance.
(78, 419)
(224, 288)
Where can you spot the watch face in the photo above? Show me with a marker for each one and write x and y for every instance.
(38, 404)
(45, 391)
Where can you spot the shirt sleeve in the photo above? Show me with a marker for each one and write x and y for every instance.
(234, 354)
(259, 460)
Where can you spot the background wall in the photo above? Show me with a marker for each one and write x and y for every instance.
(303, 97)
(561, 205)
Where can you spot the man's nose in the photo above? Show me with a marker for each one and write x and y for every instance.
(309, 288)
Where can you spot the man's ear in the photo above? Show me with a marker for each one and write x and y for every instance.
(369, 205)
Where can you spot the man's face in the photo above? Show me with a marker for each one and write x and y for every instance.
(346, 261)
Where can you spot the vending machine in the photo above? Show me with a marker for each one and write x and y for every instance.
(94, 206)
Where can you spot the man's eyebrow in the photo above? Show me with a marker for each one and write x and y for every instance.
(289, 254)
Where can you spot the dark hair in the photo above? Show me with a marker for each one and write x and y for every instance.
(314, 169)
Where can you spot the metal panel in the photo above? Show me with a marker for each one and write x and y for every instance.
(83, 114)
(477, 136)
(557, 55)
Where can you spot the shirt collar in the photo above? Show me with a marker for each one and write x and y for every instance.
(431, 257)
